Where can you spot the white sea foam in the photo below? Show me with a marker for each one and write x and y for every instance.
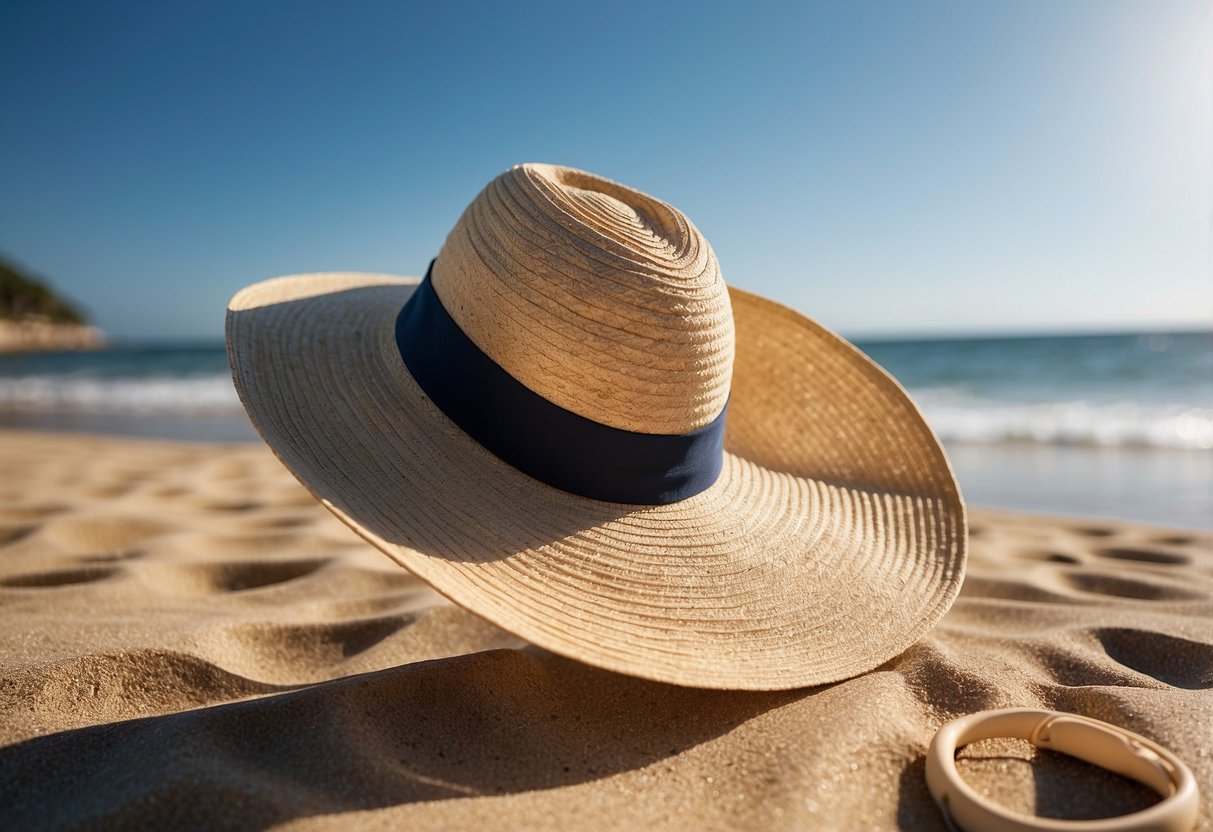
(955, 416)
(959, 418)
(90, 394)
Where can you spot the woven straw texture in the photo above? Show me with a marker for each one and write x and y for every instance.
(833, 539)
(601, 299)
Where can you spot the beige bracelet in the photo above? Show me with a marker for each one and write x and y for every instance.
(1099, 743)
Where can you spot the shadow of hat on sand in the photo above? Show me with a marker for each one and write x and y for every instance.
(495, 722)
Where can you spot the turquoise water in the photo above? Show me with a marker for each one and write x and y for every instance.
(1111, 425)
(1147, 390)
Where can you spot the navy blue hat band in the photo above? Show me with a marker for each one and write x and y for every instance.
(542, 439)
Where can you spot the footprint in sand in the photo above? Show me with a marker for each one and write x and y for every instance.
(11, 534)
(298, 653)
(1011, 589)
(233, 506)
(335, 640)
(107, 491)
(1093, 531)
(1138, 589)
(1074, 668)
(226, 576)
(1176, 540)
(1179, 662)
(1149, 556)
(292, 521)
(1045, 556)
(57, 578)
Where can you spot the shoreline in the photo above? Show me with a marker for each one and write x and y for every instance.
(1163, 487)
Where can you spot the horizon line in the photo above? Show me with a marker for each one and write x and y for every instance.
(868, 337)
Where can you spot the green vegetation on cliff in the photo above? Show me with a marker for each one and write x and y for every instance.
(22, 297)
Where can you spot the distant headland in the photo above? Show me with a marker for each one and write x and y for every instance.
(33, 318)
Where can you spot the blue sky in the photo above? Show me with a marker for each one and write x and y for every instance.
(887, 168)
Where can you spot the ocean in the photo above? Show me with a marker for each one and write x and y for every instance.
(1114, 426)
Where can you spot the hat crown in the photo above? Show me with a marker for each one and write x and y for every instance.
(599, 298)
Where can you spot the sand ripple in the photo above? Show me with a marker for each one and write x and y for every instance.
(189, 641)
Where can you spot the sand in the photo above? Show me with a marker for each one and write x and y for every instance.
(189, 640)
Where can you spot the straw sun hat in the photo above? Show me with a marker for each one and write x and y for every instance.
(574, 429)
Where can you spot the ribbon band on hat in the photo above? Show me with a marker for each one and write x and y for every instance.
(542, 439)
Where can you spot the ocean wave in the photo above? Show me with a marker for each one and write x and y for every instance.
(957, 418)
(87, 394)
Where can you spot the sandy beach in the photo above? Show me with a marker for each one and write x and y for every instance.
(189, 640)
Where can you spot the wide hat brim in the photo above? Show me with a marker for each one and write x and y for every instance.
(834, 538)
